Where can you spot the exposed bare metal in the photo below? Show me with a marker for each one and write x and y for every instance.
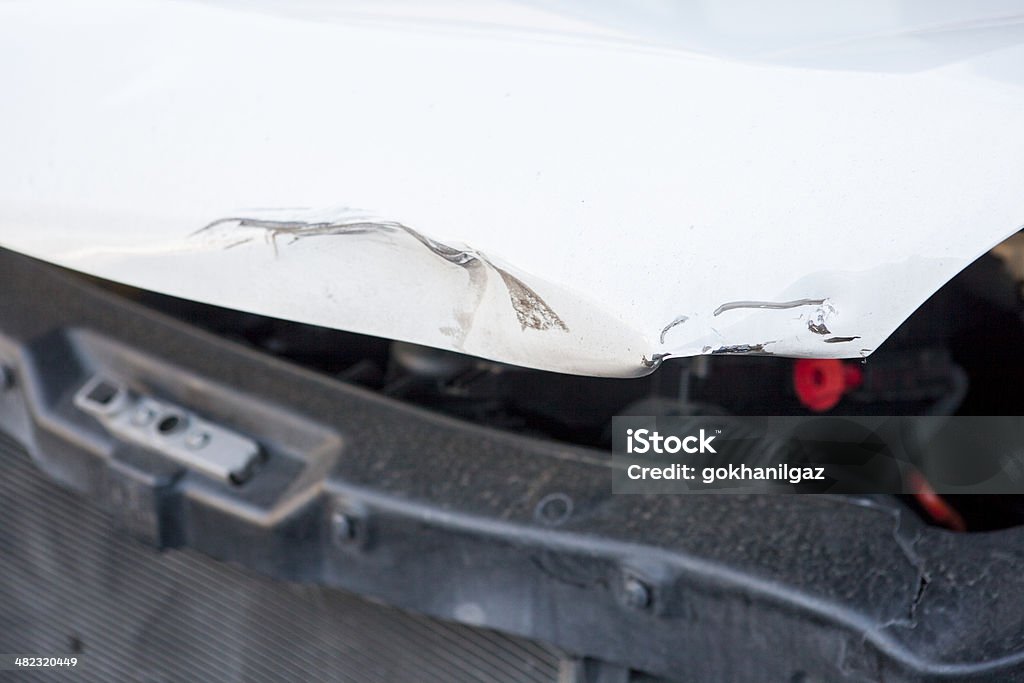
(817, 328)
(654, 361)
(767, 304)
(740, 349)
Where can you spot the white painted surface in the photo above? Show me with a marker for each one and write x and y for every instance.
(631, 165)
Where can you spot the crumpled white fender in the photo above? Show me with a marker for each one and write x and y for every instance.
(551, 184)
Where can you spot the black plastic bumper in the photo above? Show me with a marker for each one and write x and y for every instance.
(496, 530)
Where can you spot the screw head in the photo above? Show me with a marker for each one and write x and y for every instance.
(636, 593)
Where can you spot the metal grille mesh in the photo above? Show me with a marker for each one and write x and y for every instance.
(71, 582)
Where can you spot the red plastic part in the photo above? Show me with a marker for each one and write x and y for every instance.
(821, 382)
(935, 505)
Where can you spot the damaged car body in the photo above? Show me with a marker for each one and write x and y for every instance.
(345, 295)
(863, 185)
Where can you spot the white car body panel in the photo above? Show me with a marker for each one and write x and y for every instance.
(579, 187)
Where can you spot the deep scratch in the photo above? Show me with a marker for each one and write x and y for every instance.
(741, 349)
(678, 321)
(767, 304)
(530, 308)
(817, 328)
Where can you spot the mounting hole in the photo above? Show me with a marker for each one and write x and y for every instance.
(242, 476)
(553, 509)
(171, 423)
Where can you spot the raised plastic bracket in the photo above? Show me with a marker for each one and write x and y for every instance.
(169, 430)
